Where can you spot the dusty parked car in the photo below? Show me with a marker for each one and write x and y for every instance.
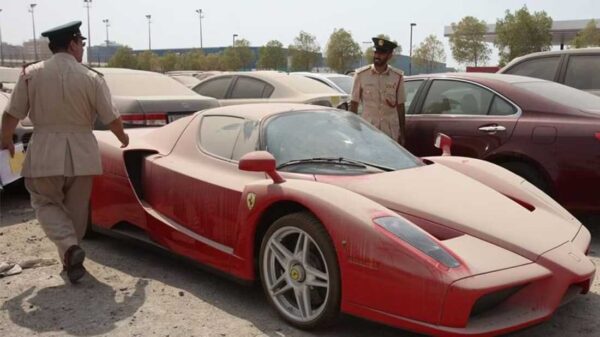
(188, 80)
(543, 131)
(339, 82)
(147, 98)
(577, 68)
(8, 78)
(345, 220)
(269, 87)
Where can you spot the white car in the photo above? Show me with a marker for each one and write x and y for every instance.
(339, 82)
(269, 87)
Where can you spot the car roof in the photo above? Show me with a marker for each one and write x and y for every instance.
(262, 110)
(561, 52)
(511, 79)
(119, 71)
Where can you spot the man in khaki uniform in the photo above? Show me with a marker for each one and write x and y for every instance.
(63, 99)
(380, 88)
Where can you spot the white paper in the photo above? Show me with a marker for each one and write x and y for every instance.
(7, 175)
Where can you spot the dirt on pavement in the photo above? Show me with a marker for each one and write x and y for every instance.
(132, 290)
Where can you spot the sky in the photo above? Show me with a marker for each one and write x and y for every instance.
(175, 23)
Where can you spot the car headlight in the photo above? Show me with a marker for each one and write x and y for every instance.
(417, 238)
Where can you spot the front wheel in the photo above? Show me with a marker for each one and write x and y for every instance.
(299, 271)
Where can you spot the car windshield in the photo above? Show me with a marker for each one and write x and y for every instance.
(341, 136)
(142, 84)
(344, 82)
(562, 94)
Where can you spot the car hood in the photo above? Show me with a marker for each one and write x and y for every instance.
(147, 104)
(447, 197)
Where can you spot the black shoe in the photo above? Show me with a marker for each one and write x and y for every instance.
(74, 263)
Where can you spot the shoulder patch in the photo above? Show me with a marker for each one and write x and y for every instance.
(92, 69)
(397, 71)
(363, 69)
(27, 65)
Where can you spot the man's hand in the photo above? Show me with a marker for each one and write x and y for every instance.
(124, 139)
(7, 144)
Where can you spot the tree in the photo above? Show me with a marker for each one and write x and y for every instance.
(467, 41)
(304, 52)
(341, 51)
(123, 58)
(168, 62)
(147, 60)
(213, 62)
(429, 53)
(272, 56)
(588, 37)
(522, 33)
(193, 60)
(237, 57)
(370, 51)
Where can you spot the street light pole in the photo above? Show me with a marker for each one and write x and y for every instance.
(411, 44)
(1, 51)
(31, 7)
(200, 16)
(148, 16)
(107, 24)
(234, 36)
(89, 34)
(366, 43)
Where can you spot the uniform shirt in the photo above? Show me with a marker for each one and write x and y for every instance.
(62, 99)
(380, 93)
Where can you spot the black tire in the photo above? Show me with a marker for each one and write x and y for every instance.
(307, 223)
(529, 173)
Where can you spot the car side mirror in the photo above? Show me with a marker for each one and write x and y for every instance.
(444, 143)
(260, 161)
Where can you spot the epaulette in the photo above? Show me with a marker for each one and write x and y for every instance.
(92, 69)
(397, 71)
(363, 69)
(24, 66)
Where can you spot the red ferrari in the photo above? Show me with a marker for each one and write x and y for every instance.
(333, 216)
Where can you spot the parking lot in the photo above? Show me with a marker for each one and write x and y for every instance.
(136, 291)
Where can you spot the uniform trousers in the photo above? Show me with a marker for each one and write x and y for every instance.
(61, 205)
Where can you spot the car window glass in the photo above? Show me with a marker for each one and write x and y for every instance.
(411, 88)
(218, 134)
(247, 139)
(583, 72)
(216, 88)
(457, 98)
(500, 107)
(246, 87)
(544, 68)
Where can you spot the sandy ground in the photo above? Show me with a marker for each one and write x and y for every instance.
(136, 291)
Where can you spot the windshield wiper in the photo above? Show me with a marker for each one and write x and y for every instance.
(334, 160)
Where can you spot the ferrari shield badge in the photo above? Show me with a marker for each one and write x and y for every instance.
(250, 200)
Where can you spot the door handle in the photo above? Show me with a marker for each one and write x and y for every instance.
(492, 128)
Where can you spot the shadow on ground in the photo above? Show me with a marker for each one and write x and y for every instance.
(85, 309)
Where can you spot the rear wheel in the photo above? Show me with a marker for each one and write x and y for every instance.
(299, 271)
(529, 173)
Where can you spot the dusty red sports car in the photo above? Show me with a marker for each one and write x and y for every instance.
(333, 216)
(543, 131)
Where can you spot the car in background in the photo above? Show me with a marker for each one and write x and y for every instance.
(339, 82)
(199, 74)
(23, 132)
(543, 131)
(577, 68)
(188, 80)
(234, 88)
(8, 78)
(146, 98)
(331, 215)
